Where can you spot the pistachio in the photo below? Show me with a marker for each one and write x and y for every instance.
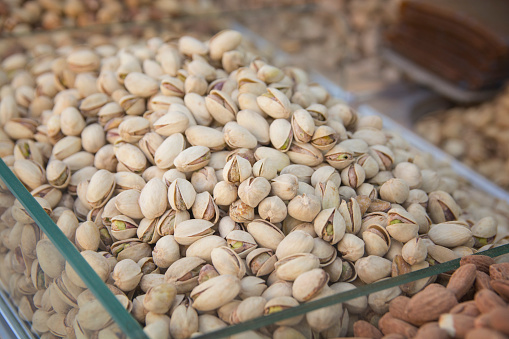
(211, 294)
(188, 231)
(274, 103)
(261, 261)
(253, 190)
(181, 194)
(330, 225)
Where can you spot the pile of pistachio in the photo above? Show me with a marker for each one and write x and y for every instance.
(477, 135)
(207, 187)
(23, 16)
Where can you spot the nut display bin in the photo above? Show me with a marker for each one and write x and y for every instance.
(49, 288)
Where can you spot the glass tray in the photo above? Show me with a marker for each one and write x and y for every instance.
(109, 306)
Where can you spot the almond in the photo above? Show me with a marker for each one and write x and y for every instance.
(462, 280)
(398, 306)
(484, 333)
(362, 328)
(456, 325)
(482, 281)
(390, 325)
(431, 330)
(466, 308)
(486, 300)
(497, 319)
(482, 262)
(500, 271)
(429, 304)
(502, 288)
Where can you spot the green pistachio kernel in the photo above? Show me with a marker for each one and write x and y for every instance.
(119, 225)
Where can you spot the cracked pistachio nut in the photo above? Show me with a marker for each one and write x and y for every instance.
(226, 261)
(285, 186)
(205, 208)
(401, 225)
(58, 174)
(202, 248)
(132, 248)
(278, 158)
(236, 170)
(249, 308)
(211, 294)
(304, 154)
(184, 273)
(377, 240)
(171, 123)
(188, 231)
(236, 136)
(279, 304)
(204, 180)
(192, 158)
(303, 125)
(442, 207)
(147, 230)
(324, 138)
(290, 267)
(414, 251)
(295, 242)
(328, 193)
(169, 220)
(265, 233)
(181, 194)
(340, 156)
(251, 287)
(123, 227)
(241, 212)
(484, 231)
(166, 153)
(222, 42)
(253, 190)
(133, 129)
(130, 157)
(275, 104)
(100, 189)
(221, 106)
(324, 318)
(353, 175)
(261, 261)
(354, 306)
(330, 225)
(351, 212)
(241, 242)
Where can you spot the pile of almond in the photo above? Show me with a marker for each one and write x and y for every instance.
(473, 305)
